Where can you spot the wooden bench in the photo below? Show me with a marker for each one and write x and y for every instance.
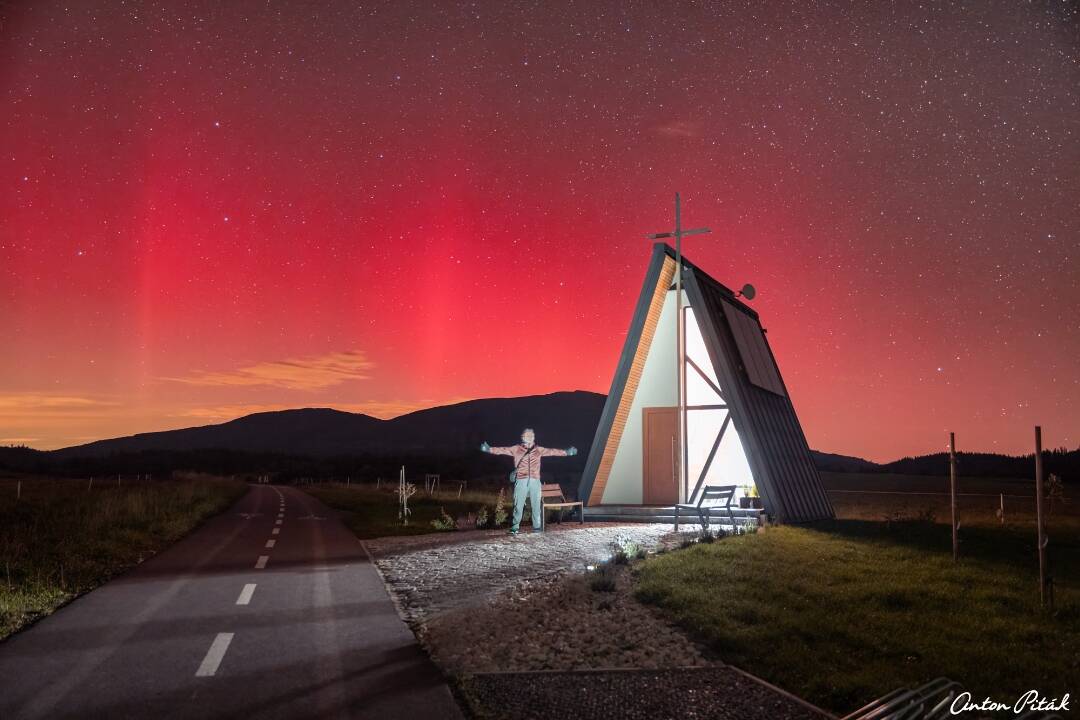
(713, 497)
(551, 496)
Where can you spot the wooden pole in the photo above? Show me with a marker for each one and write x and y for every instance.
(1039, 515)
(18, 490)
(1002, 508)
(952, 497)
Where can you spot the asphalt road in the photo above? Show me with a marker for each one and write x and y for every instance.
(270, 610)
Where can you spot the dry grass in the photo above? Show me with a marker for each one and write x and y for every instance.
(373, 512)
(60, 539)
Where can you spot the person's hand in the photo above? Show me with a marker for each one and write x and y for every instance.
(571, 450)
(484, 447)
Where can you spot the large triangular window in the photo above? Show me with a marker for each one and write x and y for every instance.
(714, 453)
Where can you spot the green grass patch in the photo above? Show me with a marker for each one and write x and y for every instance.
(60, 539)
(843, 612)
(373, 512)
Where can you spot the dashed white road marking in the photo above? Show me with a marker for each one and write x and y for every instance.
(261, 562)
(275, 531)
(280, 515)
(245, 594)
(278, 521)
(214, 655)
(271, 543)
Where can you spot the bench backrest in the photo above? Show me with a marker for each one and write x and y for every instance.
(714, 495)
(551, 491)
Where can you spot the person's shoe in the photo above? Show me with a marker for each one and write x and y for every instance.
(513, 531)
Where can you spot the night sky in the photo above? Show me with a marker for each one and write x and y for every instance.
(215, 208)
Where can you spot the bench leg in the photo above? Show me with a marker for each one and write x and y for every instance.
(676, 518)
(581, 510)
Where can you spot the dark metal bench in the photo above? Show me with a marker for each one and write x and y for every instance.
(713, 497)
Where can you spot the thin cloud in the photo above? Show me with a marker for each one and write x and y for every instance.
(314, 373)
(41, 401)
(680, 128)
(20, 408)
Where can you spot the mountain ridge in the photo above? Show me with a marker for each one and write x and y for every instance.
(560, 419)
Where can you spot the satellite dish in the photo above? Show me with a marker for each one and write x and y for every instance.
(747, 292)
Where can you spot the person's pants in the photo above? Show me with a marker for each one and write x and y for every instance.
(530, 488)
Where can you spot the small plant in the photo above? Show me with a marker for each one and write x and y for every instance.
(603, 578)
(482, 518)
(444, 521)
(499, 514)
(624, 548)
(706, 536)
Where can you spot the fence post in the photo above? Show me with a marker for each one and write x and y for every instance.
(952, 496)
(1039, 515)
(1002, 508)
(90, 485)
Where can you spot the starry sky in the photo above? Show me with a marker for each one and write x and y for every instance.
(209, 209)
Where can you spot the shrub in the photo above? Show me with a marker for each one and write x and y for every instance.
(482, 518)
(499, 514)
(624, 548)
(603, 578)
(444, 521)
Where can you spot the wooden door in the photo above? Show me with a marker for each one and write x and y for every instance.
(659, 445)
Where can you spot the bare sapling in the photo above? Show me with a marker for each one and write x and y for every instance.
(405, 491)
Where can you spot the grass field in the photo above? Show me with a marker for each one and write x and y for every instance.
(372, 512)
(879, 496)
(60, 539)
(845, 611)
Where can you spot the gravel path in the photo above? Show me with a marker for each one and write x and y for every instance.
(713, 693)
(520, 623)
(432, 574)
